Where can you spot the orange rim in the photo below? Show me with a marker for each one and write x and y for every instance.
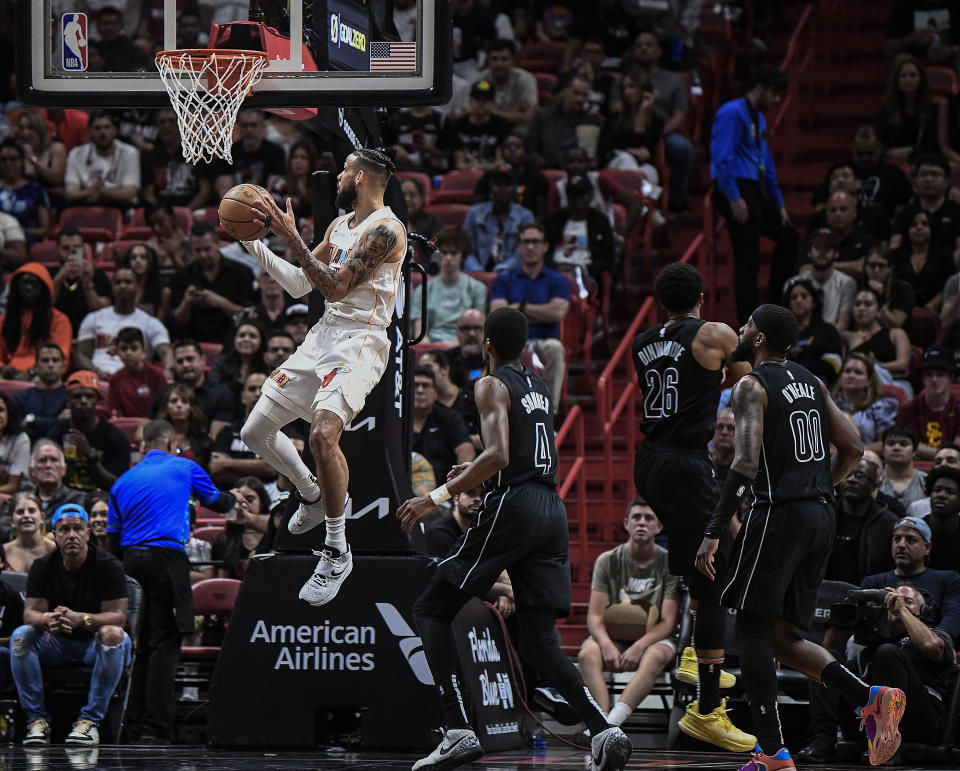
(195, 58)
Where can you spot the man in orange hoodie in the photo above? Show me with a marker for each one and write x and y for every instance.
(29, 321)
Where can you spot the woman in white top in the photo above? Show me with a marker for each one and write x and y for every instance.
(31, 543)
(14, 446)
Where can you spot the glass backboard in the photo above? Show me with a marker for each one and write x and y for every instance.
(345, 53)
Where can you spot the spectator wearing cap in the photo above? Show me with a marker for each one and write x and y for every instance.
(45, 473)
(148, 521)
(746, 191)
(494, 226)
(474, 139)
(449, 293)
(581, 237)
(902, 480)
(96, 451)
(216, 401)
(838, 289)
(911, 545)
(516, 92)
(931, 178)
(934, 414)
(296, 321)
(565, 123)
(97, 339)
(75, 609)
(543, 296)
(850, 242)
(943, 487)
(30, 296)
(209, 293)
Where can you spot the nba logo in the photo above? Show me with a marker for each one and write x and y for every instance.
(74, 27)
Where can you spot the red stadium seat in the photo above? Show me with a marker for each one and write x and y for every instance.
(943, 81)
(451, 215)
(45, 252)
(182, 214)
(13, 387)
(95, 223)
(926, 326)
(115, 252)
(485, 277)
(456, 187)
(208, 533)
(895, 392)
(542, 57)
(130, 427)
(426, 184)
(211, 351)
(212, 597)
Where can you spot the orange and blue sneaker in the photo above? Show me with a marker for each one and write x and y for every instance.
(761, 762)
(879, 719)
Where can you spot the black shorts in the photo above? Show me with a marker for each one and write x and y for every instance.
(780, 559)
(681, 488)
(522, 530)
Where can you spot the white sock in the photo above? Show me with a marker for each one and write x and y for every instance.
(619, 713)
(336, 535)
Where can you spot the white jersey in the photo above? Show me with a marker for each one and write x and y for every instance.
(373, 301)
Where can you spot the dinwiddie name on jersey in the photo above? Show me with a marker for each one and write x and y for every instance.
(793, 391)
(660, 349)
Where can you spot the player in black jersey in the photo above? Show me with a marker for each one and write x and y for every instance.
(521, 528)
(680, 368)
(785, 424)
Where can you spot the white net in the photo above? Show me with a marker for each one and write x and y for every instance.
(206, 89)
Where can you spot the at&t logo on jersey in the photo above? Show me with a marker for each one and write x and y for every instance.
(74, 29)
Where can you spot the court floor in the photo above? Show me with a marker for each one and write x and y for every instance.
(194, 758)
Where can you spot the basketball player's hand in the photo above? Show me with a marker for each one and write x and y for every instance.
(413, 510)
(456, 470)
(705, 557)
(281, 223)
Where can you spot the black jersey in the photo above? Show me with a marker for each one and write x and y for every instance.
(533, 448)
(795, 454)
(680, 397)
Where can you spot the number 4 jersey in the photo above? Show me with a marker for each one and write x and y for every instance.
(680, 397)
(533, 449)
(795, 453)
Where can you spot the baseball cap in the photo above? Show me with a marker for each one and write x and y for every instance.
(938, 357)
(916, 524)
(822, 237)
(483, 89)
(69, 510)
(84, 378)
(298, 309)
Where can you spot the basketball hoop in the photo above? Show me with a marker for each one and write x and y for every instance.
(206, 88)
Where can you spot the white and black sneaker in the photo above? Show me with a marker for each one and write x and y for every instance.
(331, 571)
(610, 750)
(458, 747)
(309, 514)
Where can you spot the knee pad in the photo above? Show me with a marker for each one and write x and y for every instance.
(710, 632)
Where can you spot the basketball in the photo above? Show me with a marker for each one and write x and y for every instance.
(237, 216)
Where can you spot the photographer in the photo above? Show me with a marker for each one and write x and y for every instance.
(916, 656)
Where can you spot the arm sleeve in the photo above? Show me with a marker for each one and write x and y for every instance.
(290, 277)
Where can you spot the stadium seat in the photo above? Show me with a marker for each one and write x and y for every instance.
(182, 214)
(451, 215)
(45, 252)
(546, 87)
(130, 427)
(541, 56)
(456, 187)
(943, 81)
(208, 532)
(631, 180)
(926, 326)
(211, 351)
(426, 184)
(484, 277)
(894, 392)
(212, 597)
(12, 387)
(95, 223)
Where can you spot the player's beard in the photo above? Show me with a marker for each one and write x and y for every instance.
(346, 197)
(743, 351)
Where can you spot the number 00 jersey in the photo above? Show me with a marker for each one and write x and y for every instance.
(533, 449)
(795, 454)
(680, 397)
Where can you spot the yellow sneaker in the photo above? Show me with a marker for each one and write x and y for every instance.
(687, 672)
(716, 728)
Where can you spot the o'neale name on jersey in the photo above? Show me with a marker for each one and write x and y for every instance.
(659, 349)
(793, 391)
(535, 401)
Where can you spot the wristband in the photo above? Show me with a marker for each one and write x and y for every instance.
(440, 495)
(735, 487)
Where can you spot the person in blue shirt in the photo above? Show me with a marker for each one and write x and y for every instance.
(494, 226)
(148, 522)
(745, 188)
(543, 296)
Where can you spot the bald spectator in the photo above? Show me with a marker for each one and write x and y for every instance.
(466, 358)
(851, 243)
(46, 474)
(564, 124)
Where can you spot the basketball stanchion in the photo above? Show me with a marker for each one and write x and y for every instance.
(206, 88)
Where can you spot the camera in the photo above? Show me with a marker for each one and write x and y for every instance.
(862, 611)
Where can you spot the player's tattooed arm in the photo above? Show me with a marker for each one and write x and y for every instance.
(375, 246)
(749, 402)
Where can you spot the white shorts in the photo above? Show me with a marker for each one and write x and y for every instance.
(336, 366)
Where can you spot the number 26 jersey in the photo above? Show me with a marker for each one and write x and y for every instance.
(795, 454)
(680, 397)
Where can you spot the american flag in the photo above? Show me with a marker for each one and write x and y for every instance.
(393, 57)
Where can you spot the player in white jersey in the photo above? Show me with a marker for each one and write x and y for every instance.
(357, 269)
